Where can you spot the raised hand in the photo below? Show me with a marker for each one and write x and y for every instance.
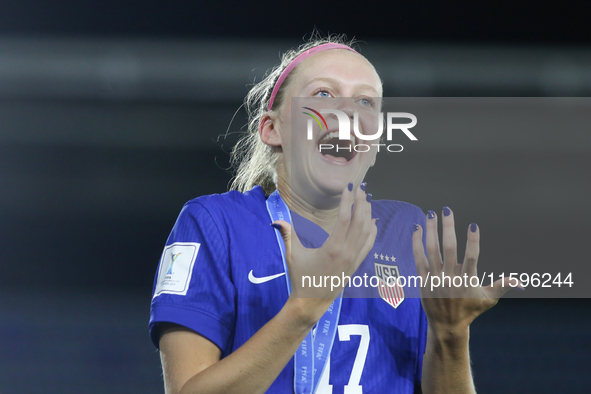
(349, 243)
(453, 307)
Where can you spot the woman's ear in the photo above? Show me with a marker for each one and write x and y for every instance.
(268, 130)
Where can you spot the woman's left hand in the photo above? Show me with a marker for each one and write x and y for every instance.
(451, 309)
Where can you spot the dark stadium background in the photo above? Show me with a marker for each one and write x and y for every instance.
(110, 114)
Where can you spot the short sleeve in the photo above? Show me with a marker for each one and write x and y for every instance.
(193, 285)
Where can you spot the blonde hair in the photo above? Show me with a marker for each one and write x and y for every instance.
(254, 161)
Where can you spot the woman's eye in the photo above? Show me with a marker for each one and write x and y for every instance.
(322, 93)
(367, 102)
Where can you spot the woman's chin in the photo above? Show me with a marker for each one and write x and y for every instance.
(335, 176)
(332, 186)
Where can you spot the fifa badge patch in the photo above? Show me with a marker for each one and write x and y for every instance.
(176, 267)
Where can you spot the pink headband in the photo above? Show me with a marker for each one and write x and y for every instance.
(300, 58)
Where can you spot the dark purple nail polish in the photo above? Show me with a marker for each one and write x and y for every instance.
(368, 197)
(276, 225)
(446, 211)
(363, 185)
(416, 227)
(473, 227)
(431, 214)
(520, 288)
(350, 186)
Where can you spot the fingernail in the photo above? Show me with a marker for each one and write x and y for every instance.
(416, 227)
(473, 227)
(446, 211)
(431, 214)
(368, 197)
(362, 186)
(276, 225)
(520, 288)
(350, 186)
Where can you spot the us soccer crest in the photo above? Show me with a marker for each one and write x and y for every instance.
(388, 287)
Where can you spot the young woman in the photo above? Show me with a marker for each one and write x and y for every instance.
(230, 313)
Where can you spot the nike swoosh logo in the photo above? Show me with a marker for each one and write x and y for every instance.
(263, 279)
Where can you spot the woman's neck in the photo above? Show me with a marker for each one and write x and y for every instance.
(325, 218)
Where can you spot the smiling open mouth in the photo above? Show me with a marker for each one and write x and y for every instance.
(331, 146)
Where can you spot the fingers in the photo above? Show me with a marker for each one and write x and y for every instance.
(369, 242)
(363, 230)
(448, 265)
(501, 286)
(361, 222)
(433, 253)
(354, 225)
(341, 227)
(419, 252)
(450, 243)
(470, 263)
(288, 236)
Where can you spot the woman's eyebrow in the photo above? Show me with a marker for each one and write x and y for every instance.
(334, 81)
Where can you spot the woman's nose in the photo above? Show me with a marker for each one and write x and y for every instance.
(347, 105)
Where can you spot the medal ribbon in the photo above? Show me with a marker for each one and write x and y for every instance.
(310, 358)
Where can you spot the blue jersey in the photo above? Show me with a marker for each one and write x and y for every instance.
(221, 274)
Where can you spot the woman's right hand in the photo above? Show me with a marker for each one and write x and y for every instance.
(347, 246)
